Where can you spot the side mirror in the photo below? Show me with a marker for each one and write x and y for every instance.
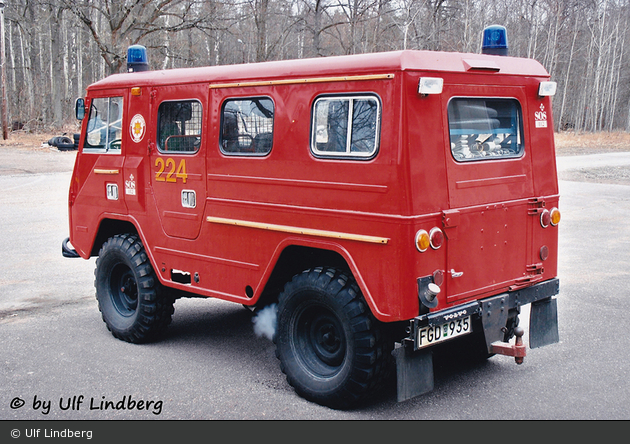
(79, 108)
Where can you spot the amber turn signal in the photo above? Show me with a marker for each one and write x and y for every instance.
(423, 241)
(554, 216)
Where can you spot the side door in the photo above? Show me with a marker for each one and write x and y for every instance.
(178, 159)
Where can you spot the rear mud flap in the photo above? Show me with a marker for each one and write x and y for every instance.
(414, 372)
(414, 368)
(543, 323)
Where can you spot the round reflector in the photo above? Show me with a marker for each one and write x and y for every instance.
(436, 238)
(544, 253)
(555, 216)
(438, 277)
(422, 241)
(545, 218)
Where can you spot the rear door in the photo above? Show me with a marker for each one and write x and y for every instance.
(490, 182)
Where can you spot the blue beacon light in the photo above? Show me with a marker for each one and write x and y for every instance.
(137, 59)
(495, 40)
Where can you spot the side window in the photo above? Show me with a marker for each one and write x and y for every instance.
(485, 129)
(179, 126)
(247, 126)
(104, 127)
(346, 126)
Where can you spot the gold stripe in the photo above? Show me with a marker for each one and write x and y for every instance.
(99, 171)
(297, 230)
(300, 81)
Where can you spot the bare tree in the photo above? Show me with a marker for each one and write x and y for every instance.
(55, 48)
(116, 24)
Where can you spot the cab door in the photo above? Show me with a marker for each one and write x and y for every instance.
(178, 159)
(96, 189)
(490, 183)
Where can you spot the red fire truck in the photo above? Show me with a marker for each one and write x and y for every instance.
(389, 204)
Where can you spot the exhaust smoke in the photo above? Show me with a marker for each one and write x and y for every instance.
(265, 322)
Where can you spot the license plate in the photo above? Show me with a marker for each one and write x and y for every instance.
(434, 334)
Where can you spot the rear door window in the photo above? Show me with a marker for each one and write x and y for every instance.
(485, 129)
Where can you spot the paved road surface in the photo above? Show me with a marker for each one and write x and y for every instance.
(54, 348)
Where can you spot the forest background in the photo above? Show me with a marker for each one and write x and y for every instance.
(56, 48)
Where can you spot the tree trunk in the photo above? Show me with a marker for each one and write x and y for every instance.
(56, 66)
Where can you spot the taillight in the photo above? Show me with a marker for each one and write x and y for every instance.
(433, 239)
(545, 218)
(423, 241)
(550, 217)
(436, 238)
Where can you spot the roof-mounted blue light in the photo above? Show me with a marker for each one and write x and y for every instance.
(137, 59)
(495, 40)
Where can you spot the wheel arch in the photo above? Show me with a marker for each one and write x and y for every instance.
(292, 258)
(111, 227)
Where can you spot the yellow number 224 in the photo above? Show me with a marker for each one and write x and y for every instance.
(171, 174)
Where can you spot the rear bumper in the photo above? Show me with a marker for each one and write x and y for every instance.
(494, 312)
(414, 365)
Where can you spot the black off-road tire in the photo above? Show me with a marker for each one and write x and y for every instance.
(132, 302)
(331, 348)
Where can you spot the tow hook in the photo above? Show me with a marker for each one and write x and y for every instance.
(518, 350)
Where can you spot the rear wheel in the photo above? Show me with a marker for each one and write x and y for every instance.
(330, 347)
(131, 300)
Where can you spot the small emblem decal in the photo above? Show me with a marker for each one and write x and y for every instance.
(130, 186)
(137, 127)
(540, 117)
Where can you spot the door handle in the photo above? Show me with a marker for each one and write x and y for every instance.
(456, 274)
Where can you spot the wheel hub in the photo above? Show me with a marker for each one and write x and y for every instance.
(326, 339)
(124, 290)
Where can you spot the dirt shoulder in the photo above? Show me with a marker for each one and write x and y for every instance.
(572, 144)
(24, 153)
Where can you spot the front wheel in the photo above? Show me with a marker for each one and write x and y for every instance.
(330, 347)
(130, 297)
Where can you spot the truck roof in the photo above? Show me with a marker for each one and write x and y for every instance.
(430, 61)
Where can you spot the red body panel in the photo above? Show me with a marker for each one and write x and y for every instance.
(366, 211)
